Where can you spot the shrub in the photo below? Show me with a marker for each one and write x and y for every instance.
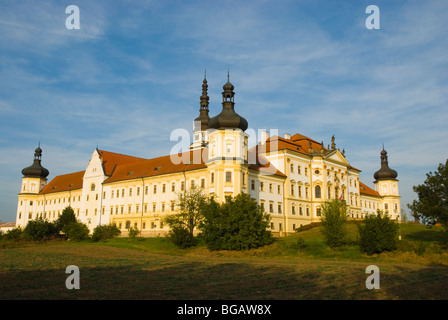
(13, 234)
(378, 233)
(40, 229)
(334, 221)
(65, 219)
(104, 232)
(181, 237)
(77, 231)
(237, 224)
(133, 232)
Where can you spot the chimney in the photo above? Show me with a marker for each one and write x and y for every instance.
(287, 136)
(264, 135)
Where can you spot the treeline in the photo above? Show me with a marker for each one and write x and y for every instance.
(65, 227)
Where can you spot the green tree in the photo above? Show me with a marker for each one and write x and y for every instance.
(65, 219)
(378, 233)
(190, 204)
(132, 232)
(77, 231)
(103, 232)
(334, 223)
(432, 203)
(40, 229)
(237, 224)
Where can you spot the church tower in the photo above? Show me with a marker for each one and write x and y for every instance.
(227, 149)
(386, 184)
(35, 176)
(33, 181)
(201, 122)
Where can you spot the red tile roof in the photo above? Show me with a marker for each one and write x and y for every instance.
(65, 182)
(159, 166)
(111, 160)
(363, 189)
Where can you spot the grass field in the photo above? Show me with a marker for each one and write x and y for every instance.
(289, 269)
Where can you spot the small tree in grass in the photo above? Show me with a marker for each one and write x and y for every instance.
(378, 233)
(104, 232)
(190, 205)
(65, 219)
(77, 231)
(237, 224)
(334, 221)
(40, 229)
(133, 232)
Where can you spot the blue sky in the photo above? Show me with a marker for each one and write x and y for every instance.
(133, 72)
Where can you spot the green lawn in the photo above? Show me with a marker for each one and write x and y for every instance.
(299, 266)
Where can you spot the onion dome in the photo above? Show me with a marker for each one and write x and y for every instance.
(228, 118)
(385, 173)
(203, 111)
(36, 170)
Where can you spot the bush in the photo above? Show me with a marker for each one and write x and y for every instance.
(13, 234)
(334, 221)
(105, 232)
(237, 224)
(181, 237)
(378, 233)
(40, 229)
(77, 231)
(65, 219)
(133, 232)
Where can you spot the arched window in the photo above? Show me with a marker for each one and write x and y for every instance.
(92, 187)
(128, 224)
(317, 192)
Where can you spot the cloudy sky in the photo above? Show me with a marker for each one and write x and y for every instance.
(133, 73)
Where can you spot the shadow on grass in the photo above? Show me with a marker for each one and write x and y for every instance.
(185, 281)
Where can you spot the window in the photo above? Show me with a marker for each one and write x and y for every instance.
(292, 168)
(307, 211)
(252, 185)
(261, 186)
(292, 189)
(192, 183)
(164, 188)
(146, 190)
(130, 192)
(318, 212)
(279, 208)
(228, 148)
(155, 189)
(228, 176)
(138, 191)
(279, 189)
(122, 193)
(317, 192)
(154, 207)
(306, 171)
(129, 209)
(92, 187)
(173, 187)
(128, 224)
(271, 207)
(293, 210)
(202, 183)
(306, 192)
(163, 207)
(172, 205)
(212, 178)
(300, 191)
(270, 187)
(182, 186)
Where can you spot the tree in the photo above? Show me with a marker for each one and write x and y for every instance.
(103, 232)
(40, 229)
(190, 204)
(77, 231)
(65, 219)
(432, 203)
(378, 233)
(334, 221)
(237, 224)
